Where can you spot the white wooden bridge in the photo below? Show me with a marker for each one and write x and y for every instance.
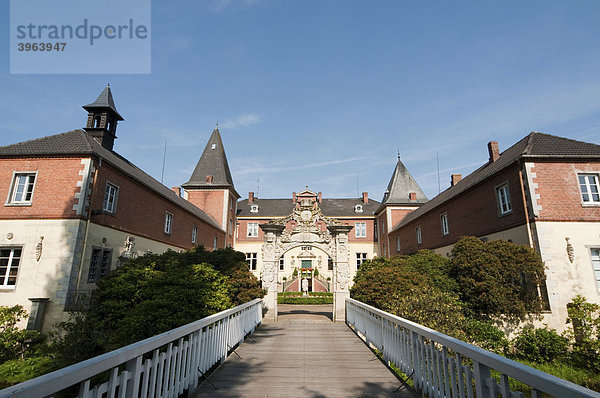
(297, 357)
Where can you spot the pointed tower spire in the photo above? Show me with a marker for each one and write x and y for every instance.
(212, 168)
(211, 188)
(402, 188)
(103, 118)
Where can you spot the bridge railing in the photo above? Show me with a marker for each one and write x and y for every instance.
(442, 366)
(161, 366)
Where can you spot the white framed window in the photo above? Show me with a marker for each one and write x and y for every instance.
(10, 259)
(252, 260)
(306, 248)
(168, 222)
(419, 239)
(397, 243)
(110, 198)
(252, 229)
(588, 184)
(360, 229)
(281, 264)
(503, 195)
(230, 227)
(99, 264)
(215, 242)
(360, 259)
(194, 234)
(444, 222)
(596, 265)
(22, 188)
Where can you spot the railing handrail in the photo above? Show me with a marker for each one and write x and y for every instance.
(73, 374)
(531, 376)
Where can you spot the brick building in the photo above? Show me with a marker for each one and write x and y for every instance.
(75, 209)
(544, 192)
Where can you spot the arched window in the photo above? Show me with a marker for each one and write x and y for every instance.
(97, 121)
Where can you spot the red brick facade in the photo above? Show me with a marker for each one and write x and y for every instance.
(146, 217)
(474, 212)
(560, 196)
(54, 191)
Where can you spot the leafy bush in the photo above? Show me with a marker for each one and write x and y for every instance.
(15, 342)
(413, 287)
(585, 318)
(16, 371)
(540, 345)
(486, 335)
(497, 279)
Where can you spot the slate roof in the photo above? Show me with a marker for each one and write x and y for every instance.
(535, 145)
(78, 142)
(330, 207)
(401, 184)
(104, 100)
(213, 162)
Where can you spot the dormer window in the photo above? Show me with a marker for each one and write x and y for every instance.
(213, 146)
(358, 209)
(253, 208)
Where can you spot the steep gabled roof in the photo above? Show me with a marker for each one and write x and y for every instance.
(533, 146)
(400, 186)
(78, 142)
(213, 162)
(330, 207)
(104, 101)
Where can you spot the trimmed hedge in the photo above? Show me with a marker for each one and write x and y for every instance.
(304, 300)
(299, 294)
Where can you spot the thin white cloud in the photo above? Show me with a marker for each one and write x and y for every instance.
(243, 120)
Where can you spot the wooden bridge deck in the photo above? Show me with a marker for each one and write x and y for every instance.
(304, 354)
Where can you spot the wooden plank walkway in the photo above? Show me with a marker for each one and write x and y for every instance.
(304, 354)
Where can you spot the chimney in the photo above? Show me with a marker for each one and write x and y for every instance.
(209, 179)
(455, 179)
(320, 197)
(493, 150)
(412, 196)
(250, 197)
(177, 190)
(365, 197)
(293, 197)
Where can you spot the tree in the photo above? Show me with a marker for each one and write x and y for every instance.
(497, 279)
(14, 342)
(413, 287)
(153, 294)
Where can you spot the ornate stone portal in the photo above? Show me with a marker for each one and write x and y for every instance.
(306, 226)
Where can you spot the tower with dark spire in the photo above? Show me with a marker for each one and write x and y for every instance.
(402, 196)
(103, 118)
(211, 187)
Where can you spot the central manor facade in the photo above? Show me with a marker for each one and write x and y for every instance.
(76, 209)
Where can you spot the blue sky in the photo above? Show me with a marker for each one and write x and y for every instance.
(318, 92)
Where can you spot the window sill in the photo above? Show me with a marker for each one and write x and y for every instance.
(8, 287)
(10, 204)
(590, 205)
(508, 213)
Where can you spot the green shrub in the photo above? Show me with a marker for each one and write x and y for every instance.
(412, 287)
(497, 279)
(316, 272)
(16, 371)
(540, 345)
(585, 318)
(486, 335)
(295, 272)
(15, 342)
(304, 300)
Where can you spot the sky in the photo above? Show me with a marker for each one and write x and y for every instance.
(327, 93)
